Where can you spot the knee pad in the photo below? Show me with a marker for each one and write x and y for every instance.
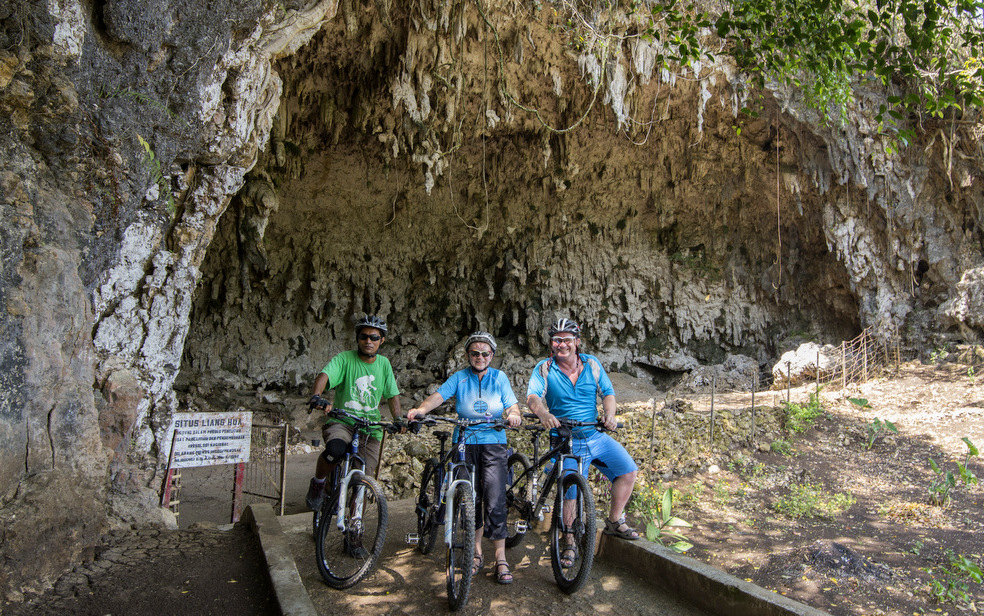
(334, 451)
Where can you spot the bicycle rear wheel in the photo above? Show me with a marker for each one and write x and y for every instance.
(428, 509)
(579, 532)
(346, 557)
(519, 499)
(461, 551)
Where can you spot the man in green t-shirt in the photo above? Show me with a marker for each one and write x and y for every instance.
(361, 380)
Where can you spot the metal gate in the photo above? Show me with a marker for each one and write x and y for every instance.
(264, 477)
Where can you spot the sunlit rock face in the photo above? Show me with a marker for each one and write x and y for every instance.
(209, 192)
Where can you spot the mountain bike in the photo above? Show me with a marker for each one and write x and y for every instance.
(447, 496)
(572, 523)
(350, 526)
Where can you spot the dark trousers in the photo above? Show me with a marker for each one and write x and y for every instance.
(490, 480)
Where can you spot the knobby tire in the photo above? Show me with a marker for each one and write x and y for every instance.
(582, 527)
(461, 551)
(340, 562)
(428, 507)
(519, 498)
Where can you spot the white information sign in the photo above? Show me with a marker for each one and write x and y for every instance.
(207, 439)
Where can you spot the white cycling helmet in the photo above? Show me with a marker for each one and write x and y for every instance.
(480, 337)
(565, 325)
(370, 320)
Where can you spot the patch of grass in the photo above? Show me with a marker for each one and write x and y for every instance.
(808, 500)
(782, 447)
(722, 492)
(799, 417)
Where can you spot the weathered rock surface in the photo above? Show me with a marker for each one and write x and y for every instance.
(211, 190)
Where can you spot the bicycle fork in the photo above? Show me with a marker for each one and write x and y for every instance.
(356, 518)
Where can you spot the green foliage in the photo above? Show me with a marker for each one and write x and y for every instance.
(860, 402)
(876, 427)
(821, 46)
(799, 417)
(939, 354)
(812, 501)
(970, 375)
(782, 447)
(955, 577)
(663, 524)
(945, 481)
(153, 165)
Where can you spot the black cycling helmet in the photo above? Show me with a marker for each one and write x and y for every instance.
(370, 320)
(565, 325)
(480, 337)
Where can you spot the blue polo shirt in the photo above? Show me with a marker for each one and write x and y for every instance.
(576, 401)
(485, 399)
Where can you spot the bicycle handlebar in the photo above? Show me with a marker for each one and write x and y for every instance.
(569, 423)
(390, 426)
(496, 424)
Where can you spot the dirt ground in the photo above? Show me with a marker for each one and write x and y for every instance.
(881, 554)
(877, 556)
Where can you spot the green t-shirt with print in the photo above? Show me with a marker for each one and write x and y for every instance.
(360, 387)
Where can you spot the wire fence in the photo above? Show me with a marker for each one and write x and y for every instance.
(265, 475)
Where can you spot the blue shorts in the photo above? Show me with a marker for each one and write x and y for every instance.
(607, 454)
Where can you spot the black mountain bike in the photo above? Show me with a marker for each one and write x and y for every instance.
(350, 526)
(447, 496)
(572, 523)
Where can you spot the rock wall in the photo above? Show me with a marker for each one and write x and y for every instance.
(125, 129)
(211, 199)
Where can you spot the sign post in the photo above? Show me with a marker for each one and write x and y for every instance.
(209, 439)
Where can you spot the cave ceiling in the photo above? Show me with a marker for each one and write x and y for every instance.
(407, 175)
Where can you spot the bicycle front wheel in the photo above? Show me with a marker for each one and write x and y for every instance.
(346, 557)
(519, 499)
(428, 507)
(461, 550)
(572, 533)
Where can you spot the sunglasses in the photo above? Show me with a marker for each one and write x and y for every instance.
(480, 353)
(563, 339)
(373, 337)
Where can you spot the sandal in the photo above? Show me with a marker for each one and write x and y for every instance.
(613, 529)
(477, 563)
(568, 556)
(502, 573)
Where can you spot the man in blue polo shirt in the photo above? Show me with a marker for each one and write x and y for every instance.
(567, 385)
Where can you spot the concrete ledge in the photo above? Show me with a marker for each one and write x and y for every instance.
(702, 585)
(291, 594)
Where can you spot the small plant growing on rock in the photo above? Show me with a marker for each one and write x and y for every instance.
(876, 428)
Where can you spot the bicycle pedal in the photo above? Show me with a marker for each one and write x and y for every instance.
(413, 539)
(546, 509)
(521, 526)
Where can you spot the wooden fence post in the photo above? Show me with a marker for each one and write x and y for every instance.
(751, 436)
(843, 364)
(713, 384)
